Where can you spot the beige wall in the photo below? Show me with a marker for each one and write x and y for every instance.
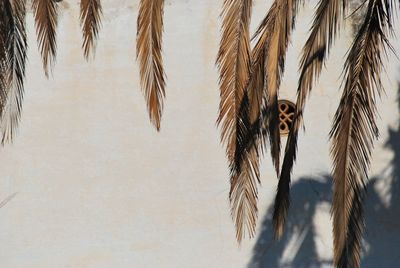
(98, 187)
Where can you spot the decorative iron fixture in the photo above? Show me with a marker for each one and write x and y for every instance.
(286, 113)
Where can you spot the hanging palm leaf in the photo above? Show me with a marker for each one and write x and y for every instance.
(90, 19)
(354, 130)
(148, 51)
(46, 19)
(261, 80)
(13, 48)
(5, 25)
(13, 68)
(275, 31)
(244, 178)
(323, 31)
(234, 65)
(250, 122)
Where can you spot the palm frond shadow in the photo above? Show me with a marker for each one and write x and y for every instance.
(298, 246)
(382, 237)
(298, 241)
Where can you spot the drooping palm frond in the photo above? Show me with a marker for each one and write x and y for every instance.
(90, 19)
(245, 175)
(46, 19)
(354, 130)
(253, 111)
(323, 31)
(233, 61)
(5, 22)
(15, 69)
(275, 32)
(251, 123)
(148, 52)
(260, 78)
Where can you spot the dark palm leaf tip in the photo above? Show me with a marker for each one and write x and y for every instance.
(354, 129)
(148, 52)
(46, 20)
(13, 67)
(350, 255)
(90, 19)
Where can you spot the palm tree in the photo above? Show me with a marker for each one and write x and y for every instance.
(249, 88)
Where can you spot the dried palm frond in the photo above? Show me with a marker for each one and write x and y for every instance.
(258, 86)
(90, 19)
(323, 31)
(251, 124)
(250, 130)
(254, 109)
(233, 61)
(354, 130)
(255, 113)
(46, 17)
(15, 69)
(275, 32)
(148, 52)
(5, 22)
(244, 177)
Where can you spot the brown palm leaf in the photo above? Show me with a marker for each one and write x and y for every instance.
(15, 69)
(233, 61)
(253, 109)
(245, 174)
(46, 17)
(90, 19)
(323, 32)
(148, 51)
(275, 31)
(258, 86)
(250, 139)
(354, 130)
(5, 24)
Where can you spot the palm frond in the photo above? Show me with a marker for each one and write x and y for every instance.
(258, 87)
(253, 110)
(46, 19)
(15, 72)
(148, 51)
(90, 19)
(5, 24)
(354, 130)
(274, 36)
(250, 128)
(233, 61)
(245, 174)
(323, 31)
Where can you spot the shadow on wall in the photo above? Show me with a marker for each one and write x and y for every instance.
(298, 249)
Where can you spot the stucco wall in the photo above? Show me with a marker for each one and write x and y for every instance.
(96, 186)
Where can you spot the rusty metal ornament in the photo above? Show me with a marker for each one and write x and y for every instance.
(286, 114)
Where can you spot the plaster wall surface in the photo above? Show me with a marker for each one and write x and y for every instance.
(97, 186)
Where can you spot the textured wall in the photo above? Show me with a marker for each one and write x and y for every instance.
(96, 186)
